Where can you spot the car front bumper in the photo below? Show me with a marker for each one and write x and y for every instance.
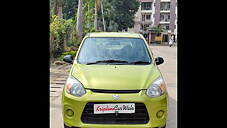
(77, 104)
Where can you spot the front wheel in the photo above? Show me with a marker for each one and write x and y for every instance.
(65, 126)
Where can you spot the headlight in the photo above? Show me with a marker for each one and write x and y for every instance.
(74, 87)
(157, 88)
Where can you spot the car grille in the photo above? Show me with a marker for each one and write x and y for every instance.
(139, 117)
(114, 91)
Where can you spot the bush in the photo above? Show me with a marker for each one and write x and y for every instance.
(73, 53)
(57, 35)
(70, 44)
(60, 33)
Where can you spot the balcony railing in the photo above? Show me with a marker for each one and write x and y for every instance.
(164, 9)
(146, 22)
(142, 9)
(164, 20)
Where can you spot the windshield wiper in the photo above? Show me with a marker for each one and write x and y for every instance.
(140, 62)
(107, 61)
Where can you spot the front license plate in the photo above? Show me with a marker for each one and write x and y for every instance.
(114, 108)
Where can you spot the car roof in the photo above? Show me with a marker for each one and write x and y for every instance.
(114, 34)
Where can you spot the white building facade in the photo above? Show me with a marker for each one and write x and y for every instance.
(156, 12)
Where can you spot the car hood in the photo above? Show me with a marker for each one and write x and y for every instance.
(115, 77)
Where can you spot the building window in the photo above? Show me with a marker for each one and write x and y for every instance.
(148, 17)
(165, 17)
(161, 17)
(165, 6)
(146, 6)
(143, 17)
(168, 6)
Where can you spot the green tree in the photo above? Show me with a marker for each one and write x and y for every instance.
(51, 7)
(88, 9)
(156, 29)
(120, 12)
(69, 8)
(57, 36)
(56, 8)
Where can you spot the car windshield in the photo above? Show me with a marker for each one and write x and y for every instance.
(117, 50)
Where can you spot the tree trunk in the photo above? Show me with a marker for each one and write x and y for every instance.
(51, 46)
(79, 25)
(60, 8)
(97, 7)
(103, 21)
(55, 7)
(96, 16)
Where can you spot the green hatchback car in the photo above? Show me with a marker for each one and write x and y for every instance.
(114, 82)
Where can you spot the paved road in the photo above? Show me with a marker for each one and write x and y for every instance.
(168, 69)
(58, 75)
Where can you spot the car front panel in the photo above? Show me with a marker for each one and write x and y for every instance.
(78, 104)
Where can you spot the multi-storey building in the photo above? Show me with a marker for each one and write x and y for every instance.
(154, 13)
(175, 28)
(144, 17)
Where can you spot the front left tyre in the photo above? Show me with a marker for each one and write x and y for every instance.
(65, 126)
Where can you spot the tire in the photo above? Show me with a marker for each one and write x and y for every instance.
(65, 126)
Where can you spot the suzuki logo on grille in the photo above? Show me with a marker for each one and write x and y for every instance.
(116, 97)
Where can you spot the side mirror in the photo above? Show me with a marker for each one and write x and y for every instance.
(68, 59)
(159, 60)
